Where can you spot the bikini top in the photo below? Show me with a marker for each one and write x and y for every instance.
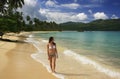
(52, 47)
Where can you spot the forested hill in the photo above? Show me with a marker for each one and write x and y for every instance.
(97, 25)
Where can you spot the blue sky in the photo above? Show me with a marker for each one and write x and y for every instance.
(72, 10)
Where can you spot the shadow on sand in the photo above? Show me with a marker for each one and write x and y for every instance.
(14, 41)
(72, 74)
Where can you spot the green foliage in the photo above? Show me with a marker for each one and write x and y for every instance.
(12, 21)
(97, 25)
(16, 3)
(28, 18)
(11, 4)
(15, 23)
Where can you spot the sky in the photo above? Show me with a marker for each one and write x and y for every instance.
(61, 11)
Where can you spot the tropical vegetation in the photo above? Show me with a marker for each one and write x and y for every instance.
(12, 21)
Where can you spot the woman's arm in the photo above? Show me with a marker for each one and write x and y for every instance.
(48, 50)
(56, 51)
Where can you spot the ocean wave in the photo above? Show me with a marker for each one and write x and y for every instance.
(45, 41)
(78, 57)
(34, 56)
(35, 43)
(85, 60)
(30, 36)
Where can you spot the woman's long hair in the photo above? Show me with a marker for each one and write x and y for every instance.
(51, 39)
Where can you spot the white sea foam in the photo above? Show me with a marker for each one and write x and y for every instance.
(85, 60)
(35, 43)
(45, 41)
(35, 56)
(30, 36)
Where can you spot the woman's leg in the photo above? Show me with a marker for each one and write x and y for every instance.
(53, 63)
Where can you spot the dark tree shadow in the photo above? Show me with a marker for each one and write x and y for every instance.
(14, 41)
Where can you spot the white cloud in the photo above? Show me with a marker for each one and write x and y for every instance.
(97, 1)
(53, 3)
(81, 16)
(114, 17)
(75, 0)
(56, 15)
(61, 17)
(90, 11)
(100, 15)
(50, 3)
(71, 5)
(74, 5)
(31, 9)
(30, 2)
(91, 5)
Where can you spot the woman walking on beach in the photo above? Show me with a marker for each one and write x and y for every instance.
(52, 53)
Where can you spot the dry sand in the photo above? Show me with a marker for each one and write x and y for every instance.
(16, 62)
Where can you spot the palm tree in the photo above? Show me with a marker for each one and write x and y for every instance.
(28, 18)
(5, 5)
(3, 8)
(16, 3)
(30, 22)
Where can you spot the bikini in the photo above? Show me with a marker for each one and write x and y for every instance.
(52, 47)
(52, 54)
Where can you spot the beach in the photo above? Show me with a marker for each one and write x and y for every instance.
(59, 39)
(25, 57)
(16, 61)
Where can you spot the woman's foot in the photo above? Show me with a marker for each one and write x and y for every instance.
(54, 71)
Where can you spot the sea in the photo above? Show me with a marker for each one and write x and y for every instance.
(98, 49)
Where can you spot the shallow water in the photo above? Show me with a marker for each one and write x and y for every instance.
(99, 49)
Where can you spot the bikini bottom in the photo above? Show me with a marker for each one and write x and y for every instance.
(52, 55)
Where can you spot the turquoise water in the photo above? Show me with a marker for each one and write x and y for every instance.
(104, 47)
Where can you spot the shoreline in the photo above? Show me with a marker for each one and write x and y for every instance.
(16, 62)
(25, 61)
(102, 73)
